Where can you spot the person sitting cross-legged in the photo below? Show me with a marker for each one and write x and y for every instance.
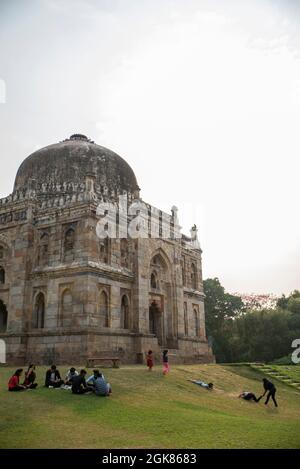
(92, 379)
(30, 377)
(14, 381)
(79, 385)
(70, 376)
(101, 387)
(53, 378)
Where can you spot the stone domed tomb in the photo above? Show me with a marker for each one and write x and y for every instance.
(68, 292)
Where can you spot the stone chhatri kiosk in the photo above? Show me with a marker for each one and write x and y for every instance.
(67, 294)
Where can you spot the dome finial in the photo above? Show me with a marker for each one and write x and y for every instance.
(79, 137)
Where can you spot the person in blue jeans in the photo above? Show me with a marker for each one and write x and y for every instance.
(101, 387)
(208, 386)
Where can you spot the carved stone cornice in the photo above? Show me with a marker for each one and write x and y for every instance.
(99, 269)
(193, 293)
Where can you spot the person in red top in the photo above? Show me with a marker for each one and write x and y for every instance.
(13, 383)
(150, 360)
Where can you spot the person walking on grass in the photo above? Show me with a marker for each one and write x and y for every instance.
(14, 381)
(271, 390)
(30, 377)
(150, 360)
(166, 366)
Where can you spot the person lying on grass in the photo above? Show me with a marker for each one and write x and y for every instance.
(30, 377)
(249, 396)
(208, 386)
(79, 385)
(99, 384)
(14, 381)
(53, 378)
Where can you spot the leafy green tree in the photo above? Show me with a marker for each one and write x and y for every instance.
(220, 309)
(253, 335)
(282, 302)
(293, 305)
(219, 305)
(291, 302)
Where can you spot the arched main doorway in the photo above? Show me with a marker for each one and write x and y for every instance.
(156, 322)
(161, 311)
(3, 317)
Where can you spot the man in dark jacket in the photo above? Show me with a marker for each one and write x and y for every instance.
(270, 388)
(53, 379)
(79, 385)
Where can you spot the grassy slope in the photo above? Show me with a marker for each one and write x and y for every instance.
(148, 410)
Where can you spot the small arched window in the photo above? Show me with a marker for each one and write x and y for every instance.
(194, 276)
(2, 276)
(197, 323)
(103, 310)
(66, 308)
(105, 250)
(125, 320)
(69, 244)
(154, 282)
(1, 252)
(43, 249)
(39, 311)
(186, 331)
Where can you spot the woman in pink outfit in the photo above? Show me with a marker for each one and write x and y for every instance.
(166, 367)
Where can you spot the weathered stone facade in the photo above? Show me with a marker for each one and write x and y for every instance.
(65, 293)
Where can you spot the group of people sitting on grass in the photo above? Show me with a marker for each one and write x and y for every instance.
(29, 380)
(74, 380)
(96, 383)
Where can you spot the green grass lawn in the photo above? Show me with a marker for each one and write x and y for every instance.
(290, 371)
(148, 410)
(288, 374)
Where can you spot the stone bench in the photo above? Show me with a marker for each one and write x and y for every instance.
(92, 362)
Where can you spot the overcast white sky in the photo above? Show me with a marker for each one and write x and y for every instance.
(202, 98)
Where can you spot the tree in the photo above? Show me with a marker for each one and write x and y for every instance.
(249, 335)
(219, 305)
(291, 302)
(220, 309)
(293, 305)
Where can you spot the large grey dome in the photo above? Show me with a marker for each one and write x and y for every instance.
(71, 161)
